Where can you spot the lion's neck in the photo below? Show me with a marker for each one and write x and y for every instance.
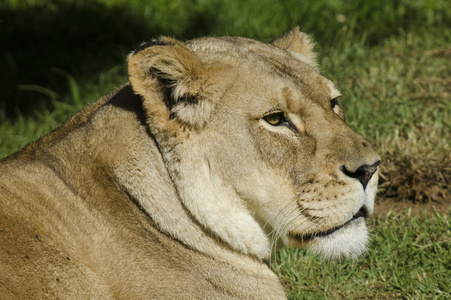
(139, 169)
(146, 179)
(182, 197)
(212, 202)
(194, 210)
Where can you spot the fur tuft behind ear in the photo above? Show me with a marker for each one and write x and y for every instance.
(298, 43)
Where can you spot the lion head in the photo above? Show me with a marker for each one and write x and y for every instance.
(256, 143)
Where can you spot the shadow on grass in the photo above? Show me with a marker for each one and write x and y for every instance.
(84, 38)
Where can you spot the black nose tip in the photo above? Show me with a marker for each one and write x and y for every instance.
(362, 173)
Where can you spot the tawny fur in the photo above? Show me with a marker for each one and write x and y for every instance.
(176, 186)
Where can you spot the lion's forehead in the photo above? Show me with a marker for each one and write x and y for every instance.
(258, 59)
(242, 52)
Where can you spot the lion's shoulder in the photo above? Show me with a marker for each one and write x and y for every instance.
(71, 124)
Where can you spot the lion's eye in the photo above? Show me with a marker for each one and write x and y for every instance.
(276, 119)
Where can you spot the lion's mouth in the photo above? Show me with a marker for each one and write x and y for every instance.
(362, 213)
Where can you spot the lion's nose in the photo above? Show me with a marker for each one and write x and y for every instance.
(362, 173)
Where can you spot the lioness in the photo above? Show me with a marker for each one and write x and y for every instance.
(182, 183)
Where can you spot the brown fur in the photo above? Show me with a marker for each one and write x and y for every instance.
(175, 187)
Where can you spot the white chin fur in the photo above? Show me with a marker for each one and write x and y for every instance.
(348, 242)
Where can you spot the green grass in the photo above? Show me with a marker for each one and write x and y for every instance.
(390, 59)
(409, 258)
(23, 129)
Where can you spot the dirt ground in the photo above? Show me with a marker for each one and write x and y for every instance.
(385, 205)
(410, 184)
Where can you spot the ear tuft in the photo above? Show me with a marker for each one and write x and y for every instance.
(170, 77)
(298, 43)
(162, 66)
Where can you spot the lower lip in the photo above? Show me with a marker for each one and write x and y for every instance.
(362, 213)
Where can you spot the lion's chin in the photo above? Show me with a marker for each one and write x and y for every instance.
(347, 242)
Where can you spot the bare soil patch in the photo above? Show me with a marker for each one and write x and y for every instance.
(410, 184)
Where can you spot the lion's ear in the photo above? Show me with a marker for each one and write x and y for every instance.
(168, 76)
(298, 43)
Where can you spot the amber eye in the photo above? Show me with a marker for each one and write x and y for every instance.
(276, 119)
